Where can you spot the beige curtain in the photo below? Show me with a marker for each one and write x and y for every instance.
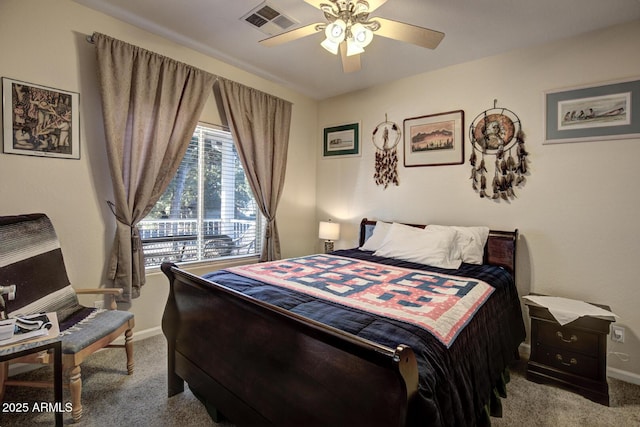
(260, 125)
(151, 105)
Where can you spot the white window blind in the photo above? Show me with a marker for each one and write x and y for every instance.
(207, 211)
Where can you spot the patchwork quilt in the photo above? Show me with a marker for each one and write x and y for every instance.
(439, 303)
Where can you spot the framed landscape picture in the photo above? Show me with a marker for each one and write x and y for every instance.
(40, 121)
(341, 140)
(434, 140)
(592, 113)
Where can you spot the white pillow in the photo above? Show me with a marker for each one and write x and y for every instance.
(470, 242)
(431, 247)
(377, 237)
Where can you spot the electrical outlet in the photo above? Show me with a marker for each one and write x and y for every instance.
(617, 333)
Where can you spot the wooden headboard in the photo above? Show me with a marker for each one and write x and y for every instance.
(500, 249)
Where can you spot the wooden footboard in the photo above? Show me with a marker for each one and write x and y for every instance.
(260, 364)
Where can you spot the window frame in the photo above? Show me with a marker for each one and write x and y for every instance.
(189, 239)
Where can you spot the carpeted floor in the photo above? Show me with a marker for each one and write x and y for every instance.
(538, 405)
(112, 398)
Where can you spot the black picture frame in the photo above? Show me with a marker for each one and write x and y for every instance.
(40, 121)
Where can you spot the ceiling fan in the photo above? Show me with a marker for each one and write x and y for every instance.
(349, 29)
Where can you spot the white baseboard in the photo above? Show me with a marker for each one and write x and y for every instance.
(619, 374)
(626, 376)
(140, 335)
(20, 368)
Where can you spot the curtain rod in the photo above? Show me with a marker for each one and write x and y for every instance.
(89, 39)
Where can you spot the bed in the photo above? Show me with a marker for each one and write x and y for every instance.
(261, 351)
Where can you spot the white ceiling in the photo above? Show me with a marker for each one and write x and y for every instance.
(473, 28)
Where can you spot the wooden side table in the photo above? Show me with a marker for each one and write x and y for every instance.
(573, 356)
(26, 348)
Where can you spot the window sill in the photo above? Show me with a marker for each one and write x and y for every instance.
(209, 265)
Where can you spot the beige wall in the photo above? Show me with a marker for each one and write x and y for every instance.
(577, 213)
(43, 42)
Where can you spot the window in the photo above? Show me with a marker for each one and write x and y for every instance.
(208, 210)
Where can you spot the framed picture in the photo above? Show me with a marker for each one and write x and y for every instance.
(342, 140)
(593, 113)
(40, 121)
(434, 140)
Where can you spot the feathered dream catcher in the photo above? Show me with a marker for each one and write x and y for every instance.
(386, 137)
(497, 132)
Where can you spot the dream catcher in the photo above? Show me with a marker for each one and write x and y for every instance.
(497, 132)
(386, 137)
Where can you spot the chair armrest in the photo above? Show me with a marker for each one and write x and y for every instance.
(112, 292)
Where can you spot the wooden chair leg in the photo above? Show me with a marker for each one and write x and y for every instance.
(128, 348)
(4, 374)
(75, 387)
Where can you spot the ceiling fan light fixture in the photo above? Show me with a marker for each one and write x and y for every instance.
(349, 30)
(336, 30)
(354, 48)
(361, 34)
(331, 46)
(360, 7)
(327, 9)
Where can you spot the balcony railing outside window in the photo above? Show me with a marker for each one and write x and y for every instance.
(178, 240)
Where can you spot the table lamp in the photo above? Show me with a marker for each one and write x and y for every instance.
(329, 231)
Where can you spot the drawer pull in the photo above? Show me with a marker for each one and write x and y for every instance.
(572, 361)
(573, 338)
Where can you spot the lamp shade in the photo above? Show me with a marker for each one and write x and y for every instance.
(361, 34)
(353, 48)
(336, 31)
(329, 230)
(330, 46)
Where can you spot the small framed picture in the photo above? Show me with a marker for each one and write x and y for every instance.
(592, 113)
(342, 140)
(434, 140)
(39, 120)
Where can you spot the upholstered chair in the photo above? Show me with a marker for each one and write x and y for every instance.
(31, 259)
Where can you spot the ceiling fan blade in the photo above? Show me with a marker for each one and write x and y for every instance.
(349, 63)
(408, 33)
(374, 4)
(288, 36)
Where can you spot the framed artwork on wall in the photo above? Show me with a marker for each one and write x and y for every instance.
(39, 120)
(434, 140)
(592, 113)
(341, 140)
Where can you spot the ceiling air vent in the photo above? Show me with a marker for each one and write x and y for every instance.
(268, 20)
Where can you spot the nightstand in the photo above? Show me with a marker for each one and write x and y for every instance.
(573, 356)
